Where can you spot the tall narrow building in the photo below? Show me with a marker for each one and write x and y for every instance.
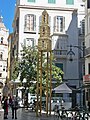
(3, 53)
(86, 78)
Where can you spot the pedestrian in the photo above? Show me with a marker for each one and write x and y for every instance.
(10, 101)
(5, 107)
(14, 107)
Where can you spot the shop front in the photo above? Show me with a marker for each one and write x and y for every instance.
(86, 82)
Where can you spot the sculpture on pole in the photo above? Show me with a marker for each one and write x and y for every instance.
(44, 46)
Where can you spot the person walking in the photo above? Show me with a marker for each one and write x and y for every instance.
(14, 107)
(5, 107)
(10, 101)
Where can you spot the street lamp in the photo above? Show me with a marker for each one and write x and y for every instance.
(71, 53)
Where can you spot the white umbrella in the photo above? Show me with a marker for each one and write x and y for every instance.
(63, 88)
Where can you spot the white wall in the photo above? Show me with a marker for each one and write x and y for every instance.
(4, 48)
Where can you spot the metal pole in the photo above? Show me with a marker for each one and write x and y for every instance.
(37, 85)
(47, 87)
(50, 79)
(41, 84)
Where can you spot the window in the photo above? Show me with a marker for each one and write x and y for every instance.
(60, 65)
(70, 2)
(0, 74)
(58, 44)
(1, 55)
(52, 1)
(29, 42)
(1, 40)
(40, 20)
(17, 25)
(63, 44)
(3, 68)
(82, 29)
(88, 3)
(31, 0)
(30, 23)
(89, 68)
(59, 24)
(88, 93)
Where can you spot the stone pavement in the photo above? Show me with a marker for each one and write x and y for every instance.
(23, 114)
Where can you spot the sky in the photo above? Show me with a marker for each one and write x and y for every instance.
(7, 9)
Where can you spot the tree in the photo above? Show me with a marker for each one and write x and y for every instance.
(27, 67)
(28, 64)
(15, 70)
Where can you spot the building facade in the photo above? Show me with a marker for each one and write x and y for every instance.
(3, 53)
(86, 78)
(66, 26)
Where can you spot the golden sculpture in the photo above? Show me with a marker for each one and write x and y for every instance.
(44, 46)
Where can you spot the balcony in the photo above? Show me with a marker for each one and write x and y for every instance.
(60, 53)
(87, 52)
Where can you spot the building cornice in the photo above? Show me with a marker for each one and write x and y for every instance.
(47, 8)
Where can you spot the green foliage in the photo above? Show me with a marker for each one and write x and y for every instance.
(15, 70)
(27, 67)
(57, 74)
(28, 64)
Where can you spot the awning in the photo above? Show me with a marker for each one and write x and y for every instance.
(63, 88)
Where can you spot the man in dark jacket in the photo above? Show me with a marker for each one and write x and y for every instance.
(14, 108)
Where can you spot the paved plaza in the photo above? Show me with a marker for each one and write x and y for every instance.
(23, 114)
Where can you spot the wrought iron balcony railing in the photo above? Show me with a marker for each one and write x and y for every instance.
(60, 53)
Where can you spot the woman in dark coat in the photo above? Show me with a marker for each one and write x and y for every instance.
(10, 101)
(5, 107)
